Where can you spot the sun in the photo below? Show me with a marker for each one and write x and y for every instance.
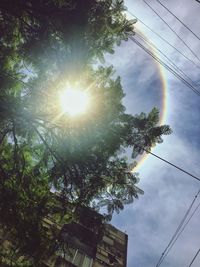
(74, 101)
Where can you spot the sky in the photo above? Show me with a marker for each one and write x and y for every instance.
(151, 221)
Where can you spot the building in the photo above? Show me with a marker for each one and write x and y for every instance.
(88, 243)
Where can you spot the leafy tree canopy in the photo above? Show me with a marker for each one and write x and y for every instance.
(43, 46)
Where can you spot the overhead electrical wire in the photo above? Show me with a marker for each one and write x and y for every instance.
(181, 231)
(178, 19)
(168, 162)
(181, 227)
(177, 75)
(162, 38)
(181, 39)
(151, 44)
(194, 257)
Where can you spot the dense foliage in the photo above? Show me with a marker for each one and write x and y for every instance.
(43, 46)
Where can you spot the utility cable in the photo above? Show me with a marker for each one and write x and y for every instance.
(194, 54)
(194, 257)
(179, 231)
(193, 213)
(162, 38)
(166, 161)
(178, 19)
(178, 76)
(165, 56)
(173, 165)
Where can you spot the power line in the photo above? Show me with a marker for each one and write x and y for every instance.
(162, 38)
(193, 213)
(194, 257)
(178, 76)
(173, 165)
(166, 161)
(179, 231)
(164, 55)
(194, 54)
(178, 19)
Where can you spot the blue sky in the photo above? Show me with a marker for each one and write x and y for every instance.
(152, 219)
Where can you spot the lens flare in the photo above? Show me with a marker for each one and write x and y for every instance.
(74, 101)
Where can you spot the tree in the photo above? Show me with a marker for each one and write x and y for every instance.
(44, 45)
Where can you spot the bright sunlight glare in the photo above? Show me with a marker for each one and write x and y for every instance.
(74, 101)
